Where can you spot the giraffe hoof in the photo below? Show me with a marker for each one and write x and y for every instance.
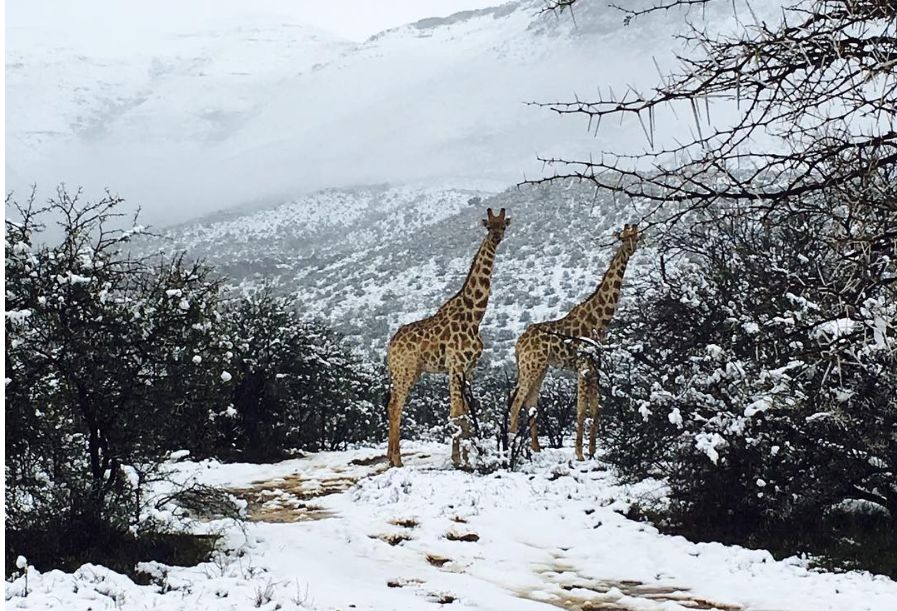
(395, 462)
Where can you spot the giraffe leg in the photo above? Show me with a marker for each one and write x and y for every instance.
(529, 380)
(594, 396)
(402, 382)
(534, 434)
(467, 386)
(518, 397)
(581, 406)
(532, 406)
(458, 414)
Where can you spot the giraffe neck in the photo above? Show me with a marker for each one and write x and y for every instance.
(595, 313)
(474, 295)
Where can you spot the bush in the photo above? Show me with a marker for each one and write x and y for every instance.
(114, 360)
(293, 384)
(759, 374)
(98, 375)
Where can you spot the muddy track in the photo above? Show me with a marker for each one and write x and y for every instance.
(291, 498)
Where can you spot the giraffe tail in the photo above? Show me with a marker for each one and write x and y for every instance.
(387, 397)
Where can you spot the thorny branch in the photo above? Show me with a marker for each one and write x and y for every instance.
(821, 83)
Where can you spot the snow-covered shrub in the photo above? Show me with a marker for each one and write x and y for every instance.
(557, 408)
(759, 371)
(426, 414)
(757, 367)
(99, 381)
(291, 383)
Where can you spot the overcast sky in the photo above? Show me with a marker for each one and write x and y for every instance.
(121, 20)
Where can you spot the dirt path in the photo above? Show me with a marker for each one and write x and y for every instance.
(291, 498)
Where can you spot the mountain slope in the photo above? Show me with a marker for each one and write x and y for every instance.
(179, 88)
(137, 118)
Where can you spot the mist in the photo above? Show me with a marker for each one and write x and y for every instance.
(246, 108)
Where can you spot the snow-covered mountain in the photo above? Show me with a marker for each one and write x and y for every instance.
(269, 109)
(98, 116)
(196, 87)
(369, 259)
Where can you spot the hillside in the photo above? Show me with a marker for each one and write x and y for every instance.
(92, 112)
(370, 259)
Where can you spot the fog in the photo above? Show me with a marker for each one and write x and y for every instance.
(186, 109)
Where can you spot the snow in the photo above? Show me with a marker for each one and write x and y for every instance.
(17, 316)
(72, 278)
(551, 535)
(644, 411)
(708, 444)
(714, 351)
(833, 329)
(226, 376)
(675, 417)
(760, 405)
(819, 416)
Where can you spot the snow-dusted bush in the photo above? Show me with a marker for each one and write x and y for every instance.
(426, 413)
(99, 377)
(759, 371)
(757, 367)
(291, 383)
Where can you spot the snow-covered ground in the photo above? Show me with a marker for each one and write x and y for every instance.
(339, 531)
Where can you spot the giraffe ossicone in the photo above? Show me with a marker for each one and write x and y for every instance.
(553, 344)
(447, 342)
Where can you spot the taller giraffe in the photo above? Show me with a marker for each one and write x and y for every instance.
(447, 342)
(547, 344)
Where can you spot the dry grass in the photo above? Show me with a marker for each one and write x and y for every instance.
(401, 583)
(392, 538)
(366, 462)
(286, 515)
(437, 560)
(466, 537)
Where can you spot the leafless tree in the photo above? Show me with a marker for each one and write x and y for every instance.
(821, 83)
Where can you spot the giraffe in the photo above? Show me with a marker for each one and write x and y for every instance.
(543, 345)
(447, 342)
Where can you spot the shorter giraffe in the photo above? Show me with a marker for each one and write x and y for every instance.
(551, 344)
(447, 342)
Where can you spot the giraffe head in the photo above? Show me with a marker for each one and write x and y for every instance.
(496, 224)
(630, 236)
